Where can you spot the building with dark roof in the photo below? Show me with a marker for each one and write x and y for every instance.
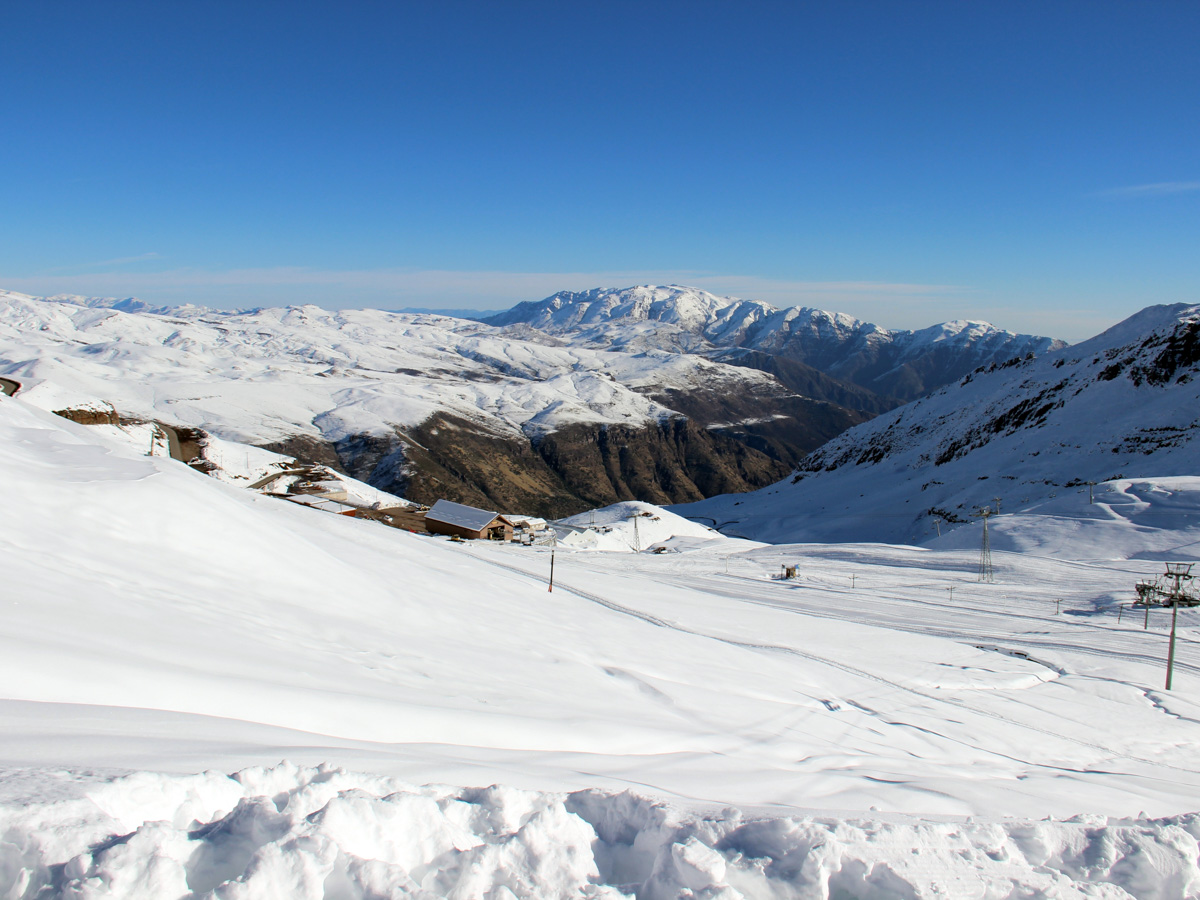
(447, 517)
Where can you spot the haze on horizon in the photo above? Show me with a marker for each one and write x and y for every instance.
(904, 163)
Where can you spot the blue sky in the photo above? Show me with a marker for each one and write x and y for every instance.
(1034, 164)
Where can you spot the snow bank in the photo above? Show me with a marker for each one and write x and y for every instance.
(613, 528)
(295, 832)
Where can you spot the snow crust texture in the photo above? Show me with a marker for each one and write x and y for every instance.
(322, 832)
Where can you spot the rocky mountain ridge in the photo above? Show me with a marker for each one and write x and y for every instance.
(1125, 404)
(837, 349)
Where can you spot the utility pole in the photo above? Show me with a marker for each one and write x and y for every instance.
(1091, 500)
(997, 499)
(637, 540)
(1180, 572)
(986, 572)
(937, 523)
(1146, 592)
(1171, 645)
(951, 590)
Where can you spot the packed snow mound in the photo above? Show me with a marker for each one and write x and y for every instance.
(632, 526)
(312, 833)
(265, 375)
(1123, 405)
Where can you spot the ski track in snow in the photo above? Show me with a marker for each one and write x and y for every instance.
(851, 670)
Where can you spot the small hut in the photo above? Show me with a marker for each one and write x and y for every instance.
(446, 517)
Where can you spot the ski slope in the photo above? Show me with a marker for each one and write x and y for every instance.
(159, 623)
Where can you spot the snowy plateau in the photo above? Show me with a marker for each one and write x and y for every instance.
(210, 693)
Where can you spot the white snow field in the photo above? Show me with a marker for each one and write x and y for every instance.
(661, 725)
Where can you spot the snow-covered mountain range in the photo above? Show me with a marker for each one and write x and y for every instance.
(894, 364)
(425, 406)
(1125, 404)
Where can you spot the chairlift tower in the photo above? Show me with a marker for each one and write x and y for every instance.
(1179, 573)
(1174, 592)
(986, 572)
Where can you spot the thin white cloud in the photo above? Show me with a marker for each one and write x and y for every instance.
(107, 263)
(126, 260)
(1155, 189)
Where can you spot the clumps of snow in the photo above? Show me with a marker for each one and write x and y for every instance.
(315, 832)
(629, 526)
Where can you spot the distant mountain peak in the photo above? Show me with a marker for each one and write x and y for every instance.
(892, 363)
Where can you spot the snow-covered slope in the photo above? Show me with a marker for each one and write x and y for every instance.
(903, 364)
(1125, 404)
(156, 619)
(1145, 518)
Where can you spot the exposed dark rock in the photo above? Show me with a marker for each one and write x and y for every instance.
(567, 471)
(1181, 351)
(308, 450)
(784, 427)
(91, 416)
(811, 382)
